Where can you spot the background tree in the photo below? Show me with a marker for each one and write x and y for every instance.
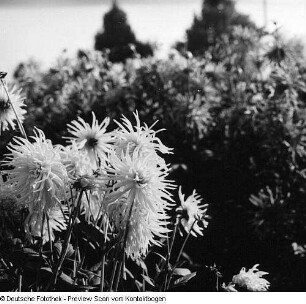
(217, 18)
(119, 38)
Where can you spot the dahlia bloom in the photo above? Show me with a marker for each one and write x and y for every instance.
(192, 213)
(92, 139)
(7, 114)
(143, 189)
(140, 138)
(77, 162)
(230, 287)
(55, 221)
(252, 279)
(143, 226)
(141, 177)
(38, 175)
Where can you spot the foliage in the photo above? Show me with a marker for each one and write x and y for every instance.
(218, 17)
(235, 118)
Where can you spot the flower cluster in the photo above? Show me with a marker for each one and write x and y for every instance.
(122, 173)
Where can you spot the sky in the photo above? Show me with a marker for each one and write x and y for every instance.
(41, 29)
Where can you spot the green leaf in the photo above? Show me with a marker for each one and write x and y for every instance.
(30, 252)
(157, 269)
(181, 271)
(67, 279)
(148, 280)
(128, 272)
(162, 257)
(183, 280)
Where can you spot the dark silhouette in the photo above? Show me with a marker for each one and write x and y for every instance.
(217, 18)
(119, 38)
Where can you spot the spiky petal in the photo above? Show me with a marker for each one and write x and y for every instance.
(252, 279)
(7, 114)
(192, 212)
(94, 139)
(38, 176)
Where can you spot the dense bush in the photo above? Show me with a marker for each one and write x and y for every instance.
(236, 120)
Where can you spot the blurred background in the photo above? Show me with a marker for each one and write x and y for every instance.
(43, 28)
(232, 89)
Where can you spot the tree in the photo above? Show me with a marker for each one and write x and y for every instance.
(217, 18)
(119, 38)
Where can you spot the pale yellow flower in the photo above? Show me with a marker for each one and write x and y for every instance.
(139, 137)
(38, 176)
(7, 115)
(252, 279)
(230, 287)
(92, 139)
(192, 213)
(77, 162)
(144, 226)
(140, 197)
(141, 176)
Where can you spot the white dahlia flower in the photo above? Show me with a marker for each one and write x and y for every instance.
(7, 114)
(92, 139)
(192, 213)
(77, 162)
(140, 138)
(252, 279)
(37, 175)
(140, 192)
(144, 226)
(140, 177)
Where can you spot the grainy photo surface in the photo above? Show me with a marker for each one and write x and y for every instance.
(152, 146)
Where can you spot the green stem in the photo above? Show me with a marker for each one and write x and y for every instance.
(113, 276)
(50, 241)
(102, 273)
(66, 243)
(143, 281)
(179, 255)
(19, 280)
(119, 272)
(40, 248)
(126, 232)
(167, 262)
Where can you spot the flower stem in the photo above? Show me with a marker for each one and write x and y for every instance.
(167, 262)
(19, 280)
(179, 255)
(50, 240)
(113, 276)
(66, 243)
(102, 273)
(125, 237)
(119, 272)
